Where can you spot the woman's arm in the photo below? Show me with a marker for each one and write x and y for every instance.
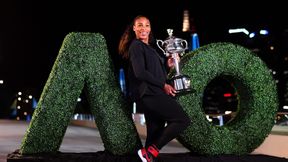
(137, 59)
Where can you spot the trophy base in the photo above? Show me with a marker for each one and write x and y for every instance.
(182, 84)
(185, 91)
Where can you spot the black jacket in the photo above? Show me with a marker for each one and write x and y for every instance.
(146, 72)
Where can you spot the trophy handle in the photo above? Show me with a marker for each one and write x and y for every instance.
(160, 45)
(184, 44)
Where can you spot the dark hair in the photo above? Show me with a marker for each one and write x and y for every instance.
(128, 36)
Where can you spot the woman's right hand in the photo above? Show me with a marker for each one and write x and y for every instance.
(169, 90)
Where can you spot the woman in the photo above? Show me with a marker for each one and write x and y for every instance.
(147, 76)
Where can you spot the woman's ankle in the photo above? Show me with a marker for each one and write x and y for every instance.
(153, 150)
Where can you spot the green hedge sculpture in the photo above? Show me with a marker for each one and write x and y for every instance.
(257, 100)
(83, 63)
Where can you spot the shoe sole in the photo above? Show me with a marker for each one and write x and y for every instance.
(141, 157)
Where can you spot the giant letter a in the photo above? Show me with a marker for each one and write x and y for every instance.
(83, 63)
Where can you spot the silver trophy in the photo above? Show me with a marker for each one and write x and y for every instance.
(172, 47)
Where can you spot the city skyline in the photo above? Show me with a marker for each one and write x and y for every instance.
(32, 32)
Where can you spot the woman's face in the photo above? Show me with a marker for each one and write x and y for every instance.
(142, 29)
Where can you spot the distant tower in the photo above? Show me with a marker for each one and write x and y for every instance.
(189, 27)
(186, 22)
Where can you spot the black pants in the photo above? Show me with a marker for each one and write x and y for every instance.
(161, 110)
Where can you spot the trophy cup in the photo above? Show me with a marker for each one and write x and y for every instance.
(171, 47)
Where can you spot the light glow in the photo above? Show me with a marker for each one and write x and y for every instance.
(252, 35)
(239, 30)
(228, 112)
(264, 32)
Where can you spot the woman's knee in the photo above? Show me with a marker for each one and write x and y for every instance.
(186, 121)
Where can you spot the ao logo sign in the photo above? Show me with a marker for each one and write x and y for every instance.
(83, 65)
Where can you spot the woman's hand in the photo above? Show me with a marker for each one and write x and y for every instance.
(169, 90)
(171, 61)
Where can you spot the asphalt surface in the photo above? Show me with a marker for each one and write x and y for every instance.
(79, 139)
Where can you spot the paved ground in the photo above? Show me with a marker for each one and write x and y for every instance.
(77, 139)
(87, 139)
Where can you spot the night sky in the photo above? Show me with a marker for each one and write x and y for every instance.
(31, 32)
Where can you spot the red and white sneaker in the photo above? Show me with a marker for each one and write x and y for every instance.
(145, 156)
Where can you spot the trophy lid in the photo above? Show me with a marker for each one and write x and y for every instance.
(170, 38)
(170, 32)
